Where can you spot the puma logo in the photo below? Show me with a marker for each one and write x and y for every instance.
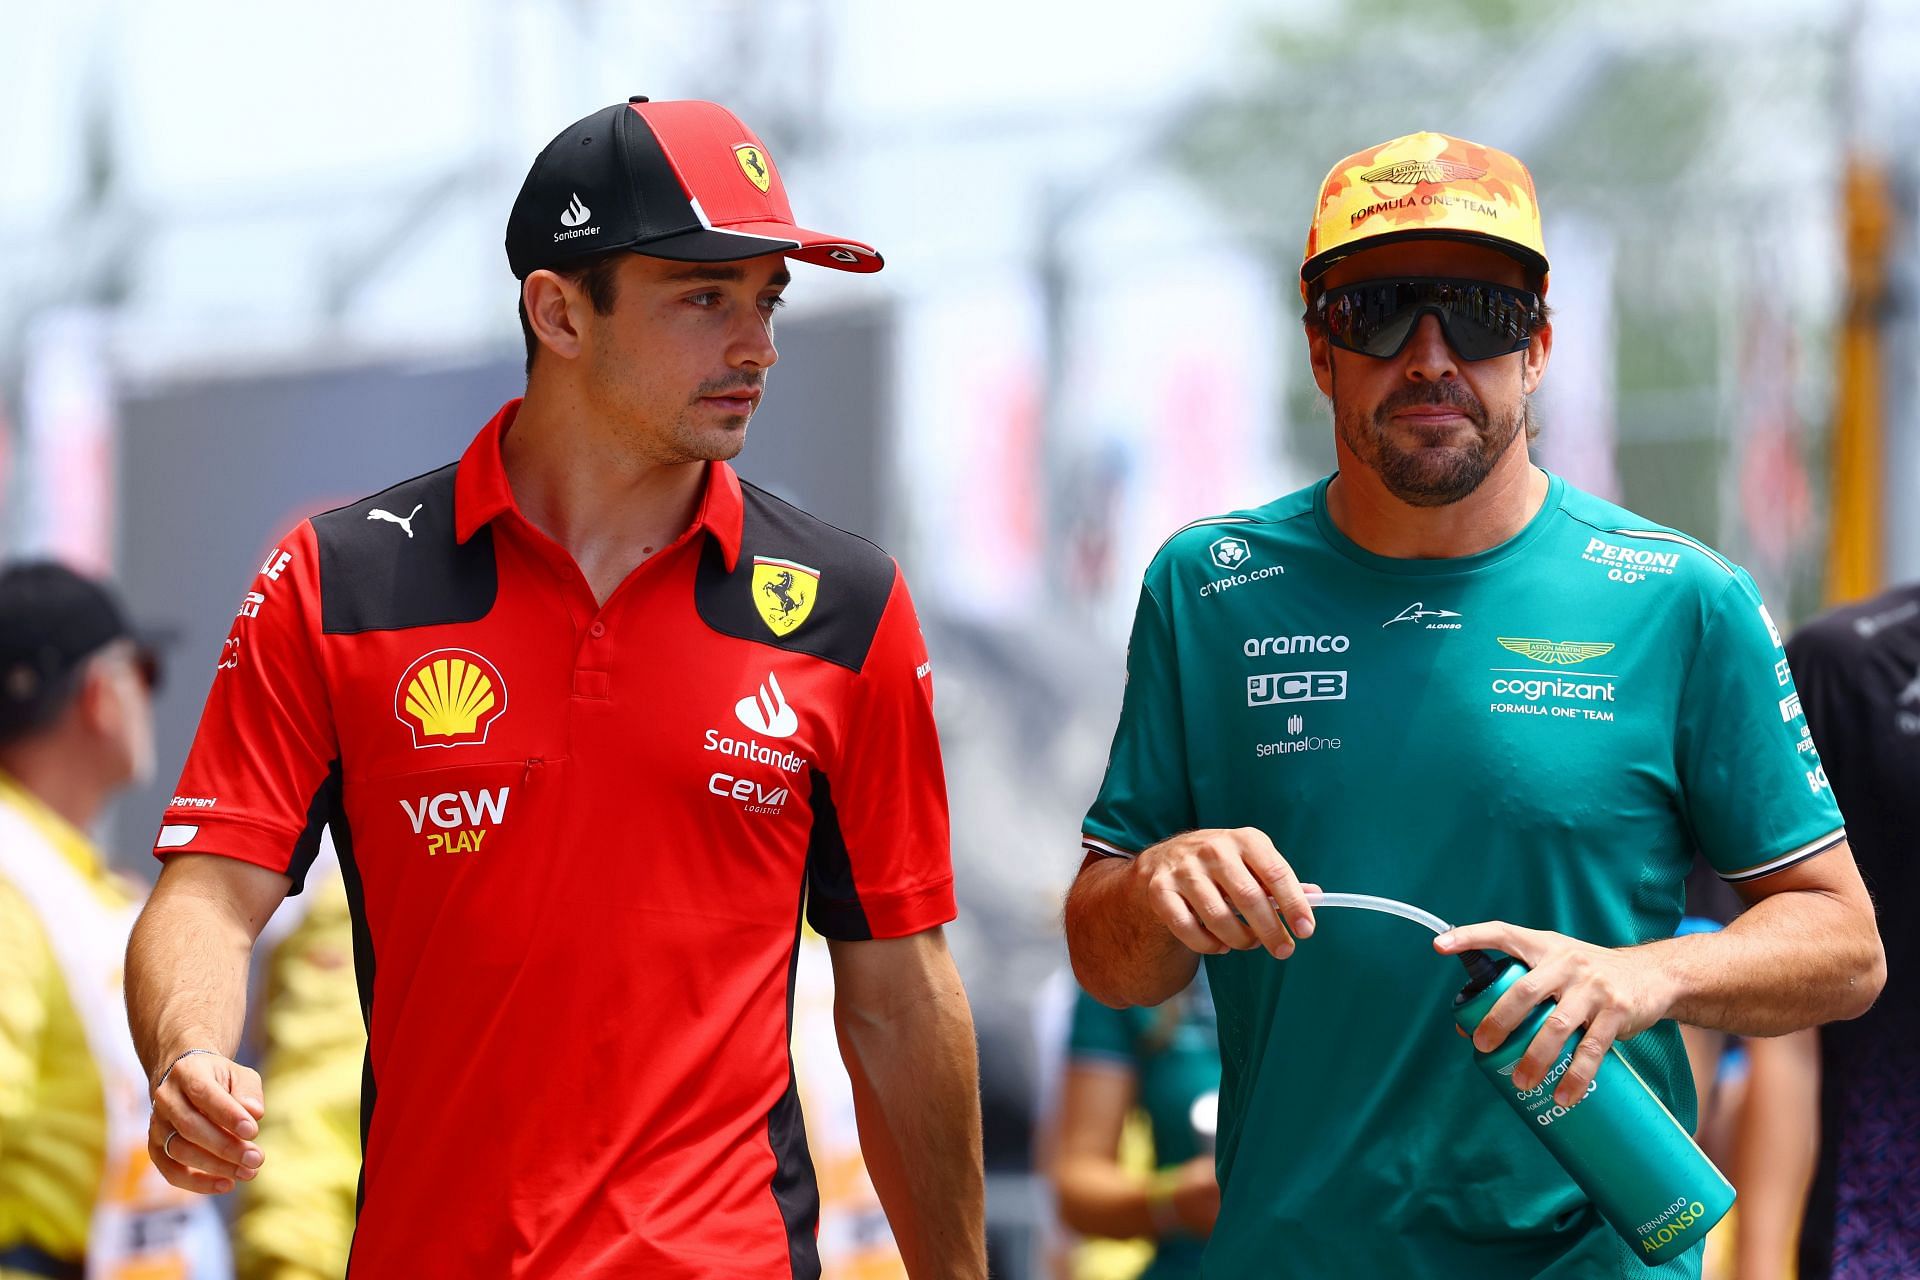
(407, 524)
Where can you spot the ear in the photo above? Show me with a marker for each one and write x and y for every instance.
(1539, 350)
(93, 700)
(557, 311)
(1320, 356)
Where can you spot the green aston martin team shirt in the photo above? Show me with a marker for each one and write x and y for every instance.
(1544, 733)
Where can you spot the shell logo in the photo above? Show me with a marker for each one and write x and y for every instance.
(449, 698)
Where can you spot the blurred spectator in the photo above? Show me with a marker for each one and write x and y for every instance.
(1758, 1119)
(1166, 1062)
(854, 1239)
(1858, 671)
(78, 1192)
(296, 1219)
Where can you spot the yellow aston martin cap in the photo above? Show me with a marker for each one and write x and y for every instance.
(1425, 186)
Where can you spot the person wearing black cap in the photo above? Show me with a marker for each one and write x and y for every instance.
(76, 1187)
(590, 719)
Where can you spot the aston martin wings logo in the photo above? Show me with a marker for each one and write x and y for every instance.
(1408, 173)
(1556, 653)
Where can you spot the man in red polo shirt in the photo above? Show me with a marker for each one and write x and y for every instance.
(590, 720)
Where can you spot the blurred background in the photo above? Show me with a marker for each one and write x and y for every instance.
(251, 268)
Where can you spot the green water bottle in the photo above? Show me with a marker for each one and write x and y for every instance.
(1620, 1145)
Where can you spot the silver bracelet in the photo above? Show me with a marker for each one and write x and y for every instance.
(162, 1082)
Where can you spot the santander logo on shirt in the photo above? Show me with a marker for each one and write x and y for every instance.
(768, 711)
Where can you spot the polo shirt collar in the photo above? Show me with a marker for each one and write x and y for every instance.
(481, 491)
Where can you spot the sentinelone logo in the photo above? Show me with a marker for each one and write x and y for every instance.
(1297, 742)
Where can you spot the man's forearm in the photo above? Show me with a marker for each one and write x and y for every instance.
(1790, 961)
(1122, 954)
(186, 978)
(916, 1092)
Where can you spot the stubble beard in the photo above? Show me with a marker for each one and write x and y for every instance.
(694, 434)
(1430, 476)
(699, 436)
(712, 440)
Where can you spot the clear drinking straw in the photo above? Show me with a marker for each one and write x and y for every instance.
(1390, 906)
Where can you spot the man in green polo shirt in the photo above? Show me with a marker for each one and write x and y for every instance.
(1445, 676)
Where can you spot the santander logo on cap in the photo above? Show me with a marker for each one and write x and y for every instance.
(572, 216)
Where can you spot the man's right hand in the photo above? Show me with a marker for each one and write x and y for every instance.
(1196, 1196)
(1217, 889)
(213, 1105)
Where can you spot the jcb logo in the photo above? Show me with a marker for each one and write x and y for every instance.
(462, 818)
(1296, 686)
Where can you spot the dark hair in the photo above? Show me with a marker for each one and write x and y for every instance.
(598, 275)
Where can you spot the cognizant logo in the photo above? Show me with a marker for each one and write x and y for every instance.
(1533, 690)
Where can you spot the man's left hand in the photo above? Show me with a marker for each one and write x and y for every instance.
(1613, 995)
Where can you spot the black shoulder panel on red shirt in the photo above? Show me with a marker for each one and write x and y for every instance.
(854, 582)
(391, 561)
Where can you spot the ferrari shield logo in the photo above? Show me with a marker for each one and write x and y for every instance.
(783, 592)
(753, 163)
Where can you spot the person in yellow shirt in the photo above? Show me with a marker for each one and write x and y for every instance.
(79, 1197)
(295, 1221)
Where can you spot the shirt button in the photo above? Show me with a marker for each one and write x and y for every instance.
(597, 630)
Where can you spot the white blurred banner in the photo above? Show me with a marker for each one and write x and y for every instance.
(1577, 410)
(68, 442)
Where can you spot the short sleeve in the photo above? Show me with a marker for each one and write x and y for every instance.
(1755, 795)
(879, 862)
(1145, 796)
(262, 776)
(1098, 1033)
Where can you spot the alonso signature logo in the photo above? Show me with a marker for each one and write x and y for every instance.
(1416, 612)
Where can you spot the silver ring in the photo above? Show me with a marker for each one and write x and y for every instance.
(166, 1148)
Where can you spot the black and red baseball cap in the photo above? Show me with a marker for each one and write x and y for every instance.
(52, 620)
(681, 180)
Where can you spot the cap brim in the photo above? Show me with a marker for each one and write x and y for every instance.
(156, 637)
(755, 239)
(1318, 265)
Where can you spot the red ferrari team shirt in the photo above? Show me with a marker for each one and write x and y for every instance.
(578, 839)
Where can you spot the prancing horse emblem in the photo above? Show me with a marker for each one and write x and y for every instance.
(753, 164)
(407, 524)
(783, 593)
